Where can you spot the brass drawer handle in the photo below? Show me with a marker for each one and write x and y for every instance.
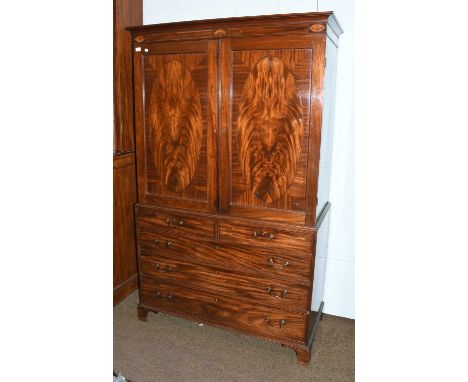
(263, 234)
(281, 323)
(282, 294)
(159, 295)
(158, 243)
(167, 269)
(174, 221)
(271, 261)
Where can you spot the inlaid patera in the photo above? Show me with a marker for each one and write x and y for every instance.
(176, 125)
(270, 128)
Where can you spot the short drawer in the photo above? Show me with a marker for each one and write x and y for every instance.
(227, 311)
(290, 295)
(267, 237)
(179, 224)
(282, 265)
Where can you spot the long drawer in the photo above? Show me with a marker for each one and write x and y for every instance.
(238, 314)
(267, 291)
(178, 224)
(284, 265)
(267, 237)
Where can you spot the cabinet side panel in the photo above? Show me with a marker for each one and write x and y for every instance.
(327, 126)
(125, 268)
(320, 263)
(126, 13)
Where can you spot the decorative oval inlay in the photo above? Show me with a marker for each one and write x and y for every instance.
(270, 129)
(317, 27)
(140, 38)
(220, 33)
(176, 125)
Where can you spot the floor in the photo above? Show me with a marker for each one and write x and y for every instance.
(170, 349)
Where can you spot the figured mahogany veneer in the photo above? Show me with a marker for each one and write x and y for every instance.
(275, 264)
(275, 292)
(210, 307)
(261, 236)
(270, 128)
(176, 125)
(229, 118)
(179, 223)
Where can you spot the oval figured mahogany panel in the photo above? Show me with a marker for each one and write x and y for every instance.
(270, 129)
(176, 125)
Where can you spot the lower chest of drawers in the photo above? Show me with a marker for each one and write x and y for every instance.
(228, 276)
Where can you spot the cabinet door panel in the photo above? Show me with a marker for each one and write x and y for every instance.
(266, 128)
(176, 91)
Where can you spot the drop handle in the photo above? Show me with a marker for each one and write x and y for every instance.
(263, 234)
(282, 294)
(168, 268)
(177, 222)
(158, 243)
(174, 221)
(271, 261)
(280, 324)
(159, 295)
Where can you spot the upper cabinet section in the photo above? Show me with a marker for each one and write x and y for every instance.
(176, 102)
(229, 114)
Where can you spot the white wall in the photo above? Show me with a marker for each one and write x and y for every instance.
(339, 280)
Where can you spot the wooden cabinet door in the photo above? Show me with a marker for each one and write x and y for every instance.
(270, 126)
(175, 118)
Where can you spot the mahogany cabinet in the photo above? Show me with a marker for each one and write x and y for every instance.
(233, 122)
(126, 12)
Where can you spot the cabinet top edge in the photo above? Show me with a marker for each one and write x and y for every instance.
(318, 17)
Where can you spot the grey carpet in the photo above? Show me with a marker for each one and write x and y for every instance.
(169, 349)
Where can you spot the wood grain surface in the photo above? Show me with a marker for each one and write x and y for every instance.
(176, 125)
(249, 317)
(178, 223)
(273, 239)
(266, 139)
(124, 248)
(276, 264)
(175, 116)
(276, 293)
(270, 129)
(126, 12)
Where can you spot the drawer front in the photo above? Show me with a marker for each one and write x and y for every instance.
(273, 238)
(242, 259)
(238, 314)
(178, 224)
(266, 291)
